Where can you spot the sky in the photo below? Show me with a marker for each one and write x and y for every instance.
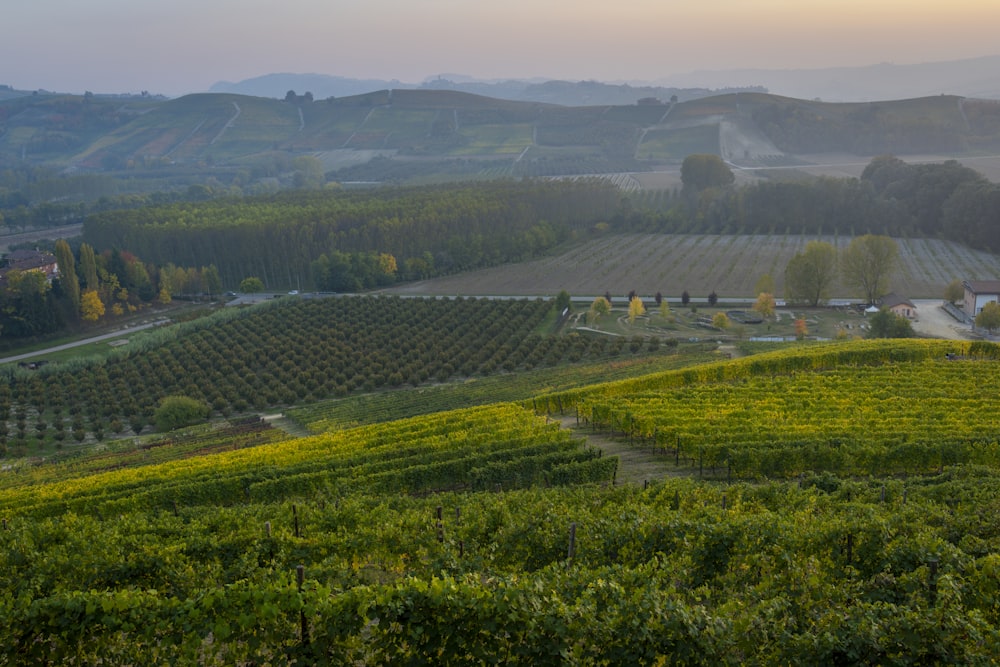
(174, 47)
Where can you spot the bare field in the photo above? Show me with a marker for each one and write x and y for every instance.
(700, 264)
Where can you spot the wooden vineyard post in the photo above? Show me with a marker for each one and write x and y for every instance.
(267, 528)
(439, 525)
(571, 552)
(300, 577)
(932, 569)
(295, 520)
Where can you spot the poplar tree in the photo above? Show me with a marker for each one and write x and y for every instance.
(67, 273)
(88, 267)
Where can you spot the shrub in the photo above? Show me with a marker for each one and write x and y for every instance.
(177, 411)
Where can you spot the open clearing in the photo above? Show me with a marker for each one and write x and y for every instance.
(700, 264)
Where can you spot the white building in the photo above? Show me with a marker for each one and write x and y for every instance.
(978, 293)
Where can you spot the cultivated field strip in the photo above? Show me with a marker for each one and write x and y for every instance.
(886, 408)
(730, 265)
(500, 446)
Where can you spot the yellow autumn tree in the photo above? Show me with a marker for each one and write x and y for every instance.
(765, 304)
(720, 320)
(600, 306)
(635, 309)
(91, 306)
(387, 264)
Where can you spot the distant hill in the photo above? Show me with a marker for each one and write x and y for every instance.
(971, 77)
(408, 135)
(566, 93)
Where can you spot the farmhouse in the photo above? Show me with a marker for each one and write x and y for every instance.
(978, 293)
(30, 260)
(899, 305)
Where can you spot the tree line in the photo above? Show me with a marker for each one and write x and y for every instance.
(892, 198)
(298, 239)
(92, 286)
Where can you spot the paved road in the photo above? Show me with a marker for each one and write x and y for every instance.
(78, 343)
(7, 240)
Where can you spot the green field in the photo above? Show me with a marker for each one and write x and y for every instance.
(676, 144)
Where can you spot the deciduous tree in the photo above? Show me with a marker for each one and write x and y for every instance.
(810, 273)
(635, 309)
(562, 301)
(801, 328)
(251, 285)
(177, 411)
(887, 324)
(867, 265)
(989, 317)
(600, 306)
(954, 292)
(764, 304)
(701, 171)
(91, 306)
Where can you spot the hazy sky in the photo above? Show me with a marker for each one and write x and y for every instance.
(179, 46)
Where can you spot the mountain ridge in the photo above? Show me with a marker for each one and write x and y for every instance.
(968, 77)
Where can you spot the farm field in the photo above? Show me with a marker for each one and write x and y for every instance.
(493, 535)
(241, 361)
(700, 264)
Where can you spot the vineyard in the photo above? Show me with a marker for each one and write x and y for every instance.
(192, 570)
(848, 410)
(828, 504)
(372, 408)
(700, 263)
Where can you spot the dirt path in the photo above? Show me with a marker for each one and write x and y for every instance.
(287, 425)
(933, 321)
(636, 465)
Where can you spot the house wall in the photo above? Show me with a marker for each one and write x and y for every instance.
(905, 311)
(974, 303)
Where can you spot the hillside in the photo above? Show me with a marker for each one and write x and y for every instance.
(832, 504)
(446, 134)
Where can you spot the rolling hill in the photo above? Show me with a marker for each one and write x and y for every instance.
(413, 135)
